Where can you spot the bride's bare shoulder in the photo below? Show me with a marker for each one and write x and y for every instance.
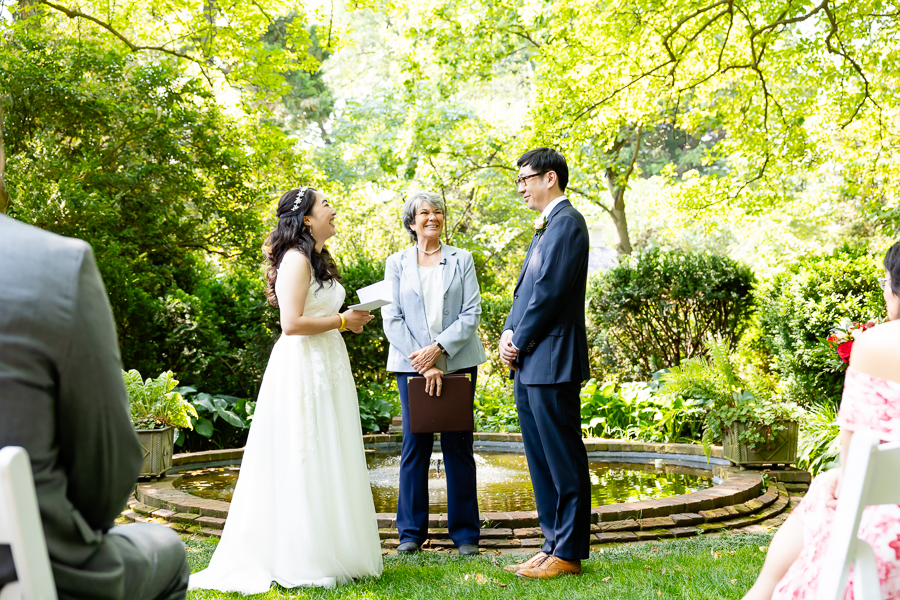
(877, 351)
(294, 260)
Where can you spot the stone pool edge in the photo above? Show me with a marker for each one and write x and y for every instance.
(742, 498)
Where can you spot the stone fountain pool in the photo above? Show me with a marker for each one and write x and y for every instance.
(640, 491)
(503, 484)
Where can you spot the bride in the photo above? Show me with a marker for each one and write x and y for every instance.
(302, 512)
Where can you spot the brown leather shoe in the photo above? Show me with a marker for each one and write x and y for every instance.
(526, 564)
(550, 567)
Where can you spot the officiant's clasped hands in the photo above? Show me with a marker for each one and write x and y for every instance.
(423, 361)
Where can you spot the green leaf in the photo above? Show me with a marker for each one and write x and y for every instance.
(204, 427)
(204, 401)
(230, 418)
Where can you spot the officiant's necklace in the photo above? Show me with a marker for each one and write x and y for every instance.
(429, 251)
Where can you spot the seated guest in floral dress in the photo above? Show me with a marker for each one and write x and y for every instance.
(871, 400)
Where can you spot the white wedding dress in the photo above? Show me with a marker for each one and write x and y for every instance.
(302, 512)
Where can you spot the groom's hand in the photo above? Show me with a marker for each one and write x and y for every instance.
(509, 354)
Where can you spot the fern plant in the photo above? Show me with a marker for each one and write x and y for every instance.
(820, 439)
(730, 399)
(154, 404)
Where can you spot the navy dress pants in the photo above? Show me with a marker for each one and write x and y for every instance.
(550, 418)
(459, 465)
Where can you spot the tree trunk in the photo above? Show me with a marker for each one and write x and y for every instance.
(4, 193)
(617, 212)
(27, 10)
(617, 183)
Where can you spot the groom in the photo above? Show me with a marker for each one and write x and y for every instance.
(544, 342)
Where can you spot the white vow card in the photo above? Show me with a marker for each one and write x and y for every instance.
(374, 296)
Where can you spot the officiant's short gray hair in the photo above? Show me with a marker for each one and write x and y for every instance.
(414, 203)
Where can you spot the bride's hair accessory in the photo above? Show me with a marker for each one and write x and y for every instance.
(298, 202)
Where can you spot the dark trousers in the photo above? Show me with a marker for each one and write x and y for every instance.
(156, 566)
(459, 465)
(550, 418)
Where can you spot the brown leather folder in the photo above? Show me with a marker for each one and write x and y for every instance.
(453, 410)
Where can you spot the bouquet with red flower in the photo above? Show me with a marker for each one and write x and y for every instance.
(842, 337)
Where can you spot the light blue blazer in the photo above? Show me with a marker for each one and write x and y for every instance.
(405, 324)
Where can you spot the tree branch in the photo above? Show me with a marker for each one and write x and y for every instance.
(687, 18)
(524, 36)
(782, 21)
(77, 14)
(833, 33)
(470, 203)
(593, 199)
(613, 93)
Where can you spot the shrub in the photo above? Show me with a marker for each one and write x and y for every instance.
(495, 307)
(174, 209)
(219, 337)
(368, 350)
(799, 307)
(730, 399)
(819, 447)
(657, 309)
(637, 411)
(495, 405)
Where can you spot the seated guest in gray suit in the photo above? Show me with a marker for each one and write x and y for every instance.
(432, 327)
(62, 398)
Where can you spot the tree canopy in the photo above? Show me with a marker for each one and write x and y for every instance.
(782, 89)
(163, 132)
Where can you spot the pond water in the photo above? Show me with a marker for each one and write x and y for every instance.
(502, 478)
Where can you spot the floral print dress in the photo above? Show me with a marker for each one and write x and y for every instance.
(868, 403)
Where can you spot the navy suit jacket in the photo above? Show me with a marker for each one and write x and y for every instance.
(547, 315)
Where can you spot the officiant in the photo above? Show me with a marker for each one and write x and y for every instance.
(432, 327)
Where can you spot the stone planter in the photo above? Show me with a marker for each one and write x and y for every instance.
(780, 451)
(158, 446)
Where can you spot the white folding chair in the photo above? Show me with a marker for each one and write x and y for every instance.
(871, 476)
(20, 527)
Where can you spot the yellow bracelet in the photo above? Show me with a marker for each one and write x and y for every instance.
(343, 322)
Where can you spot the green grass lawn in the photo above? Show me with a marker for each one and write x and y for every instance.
(719, 567)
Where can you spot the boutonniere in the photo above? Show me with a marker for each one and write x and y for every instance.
(540, 224)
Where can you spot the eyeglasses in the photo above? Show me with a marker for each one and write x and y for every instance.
(883, 282)
(523, 178)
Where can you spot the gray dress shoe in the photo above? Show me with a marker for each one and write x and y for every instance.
(407, 548)
(468, 550)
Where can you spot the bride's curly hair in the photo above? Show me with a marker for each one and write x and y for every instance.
(292, 233)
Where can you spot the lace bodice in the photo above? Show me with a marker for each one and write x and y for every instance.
(320, 302)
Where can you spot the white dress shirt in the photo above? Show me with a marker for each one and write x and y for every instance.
(549, 208)
(432, 280)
